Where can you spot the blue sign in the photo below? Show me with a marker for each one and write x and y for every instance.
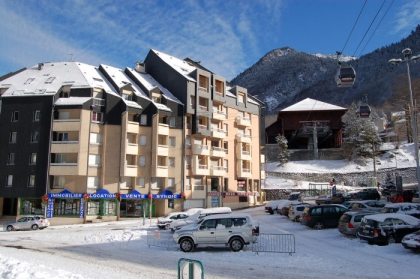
(65, 194)
(82, 209)
(103, 194)
(50, 208)
(134, 195)
(166, 194)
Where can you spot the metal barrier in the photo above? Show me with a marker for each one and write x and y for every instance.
(160, 239)
(275, 243)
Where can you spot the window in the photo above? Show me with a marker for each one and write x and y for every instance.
(50, 80)
(96, 117)
(37, 115)
(95, 138)
(31, 181)
(225, 164)
(142, 140)
(32, 159)
(142, 161)
(13, 136)
(172, 162)
(94, 160)
(187, 183)
(140, 182)
(93, 182)
(156, 183)
(29, 80)
(172, 141)
(11, 159)
(60, 158)
(59, 181)
(126, 183)
(241, 97)
(171, 121)
(188, 142)
(171, 182)
(15, 116)
(225, 128)
(9, 180)
(225, 146)
(188, 162)
(63, 136)
(34, 136)
(127, 97)
(143, 119)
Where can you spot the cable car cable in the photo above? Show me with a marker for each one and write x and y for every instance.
(353, 27)
(377, 13)
(376, 28)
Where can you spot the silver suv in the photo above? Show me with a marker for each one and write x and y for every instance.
(235, 230)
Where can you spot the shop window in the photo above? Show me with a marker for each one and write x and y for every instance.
(66, 207)
(31, 206)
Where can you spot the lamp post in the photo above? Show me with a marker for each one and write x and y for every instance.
(407, 52)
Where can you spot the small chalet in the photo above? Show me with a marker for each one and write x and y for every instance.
(309, 124)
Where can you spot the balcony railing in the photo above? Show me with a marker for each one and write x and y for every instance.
(201, 107)
(203, 89)
(199, 187)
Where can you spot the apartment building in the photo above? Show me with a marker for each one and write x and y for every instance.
(82, 143)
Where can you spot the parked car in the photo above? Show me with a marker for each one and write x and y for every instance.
(196, 217)
(322, 216)
(412, 209)
(28, 223)
(272, 206)
(283, 209)
(165, 221)
(323, 199)
(295, 211)
(338, 198)
(295, 196)
(349, 222)
(412, 241)
(235, 230)
(368, 205)
(368, 194)
(387, 227)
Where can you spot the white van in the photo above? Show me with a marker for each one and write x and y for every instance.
(176, 225)
(235, 230)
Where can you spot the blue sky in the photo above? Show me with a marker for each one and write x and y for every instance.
(226, 36)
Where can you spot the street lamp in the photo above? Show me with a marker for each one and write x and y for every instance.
(407, 52)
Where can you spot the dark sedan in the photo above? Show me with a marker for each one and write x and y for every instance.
(387, 228)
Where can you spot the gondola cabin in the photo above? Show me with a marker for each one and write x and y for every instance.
(363, 111)
(346, 76)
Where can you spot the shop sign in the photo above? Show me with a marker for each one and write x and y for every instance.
(65, 194)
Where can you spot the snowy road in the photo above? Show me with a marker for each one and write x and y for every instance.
(120, 250)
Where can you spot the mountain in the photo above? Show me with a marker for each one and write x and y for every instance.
(285, 76)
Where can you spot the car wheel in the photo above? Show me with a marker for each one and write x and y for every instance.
(34, 227)
(236, 244)
(9, 228)
(391, 239)
(271, 212)
(297, 218)
(319, 225)
(186, 245)
(167, 226)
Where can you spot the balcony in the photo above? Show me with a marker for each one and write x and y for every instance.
(204, 89)
(163, 150)
(219, 115)
(243, 172)
(162, 171)
(65, 147)
(132, 149)
(203, 108)
(242, 121)
(130, 171)
(199, 149)
(218, 133)
(201, 170)
(60, 169)
(241, 138)
(243, 154)
(216, 151)
(132, 127)
(163, 129)
(66, 125)
(218, 171)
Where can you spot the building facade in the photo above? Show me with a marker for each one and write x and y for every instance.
(83, 143)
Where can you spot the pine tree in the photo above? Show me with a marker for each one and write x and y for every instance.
(284, 154)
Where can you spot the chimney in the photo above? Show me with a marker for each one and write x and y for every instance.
(140, 67)
(40, 66)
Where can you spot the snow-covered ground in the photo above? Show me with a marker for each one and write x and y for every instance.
(120, 250)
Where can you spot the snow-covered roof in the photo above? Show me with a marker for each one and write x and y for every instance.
(312, 105)
(72, 101)
(179, 65)
(406, 218)
(132, 104)
(48, 78)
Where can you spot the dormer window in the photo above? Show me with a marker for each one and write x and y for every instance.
(127, 97)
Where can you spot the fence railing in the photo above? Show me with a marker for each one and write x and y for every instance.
(275, 243)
